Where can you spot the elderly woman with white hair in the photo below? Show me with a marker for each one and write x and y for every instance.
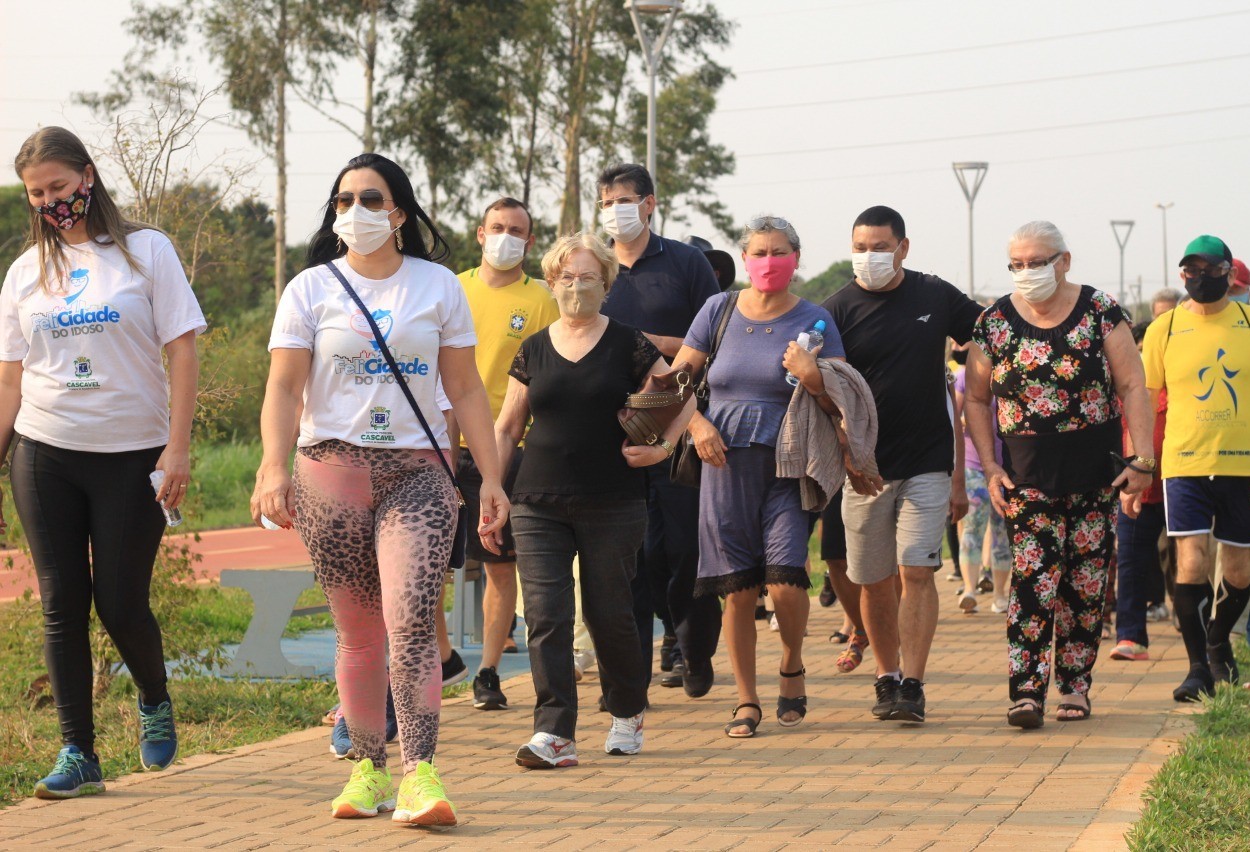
(578, 493)
(1061, 361)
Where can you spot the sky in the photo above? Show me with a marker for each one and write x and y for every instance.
(1086, 112)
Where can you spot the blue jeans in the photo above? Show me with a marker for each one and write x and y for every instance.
(605, 536)
(1139, 577)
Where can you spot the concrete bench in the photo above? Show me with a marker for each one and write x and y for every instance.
(274, 592)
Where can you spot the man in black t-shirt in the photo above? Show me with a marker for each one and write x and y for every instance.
(661, 287)
(894, 323)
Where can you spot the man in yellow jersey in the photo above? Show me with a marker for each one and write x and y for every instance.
(508, 306)
(1200, 353)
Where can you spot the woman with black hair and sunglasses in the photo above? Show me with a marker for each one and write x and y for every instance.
(369, 495)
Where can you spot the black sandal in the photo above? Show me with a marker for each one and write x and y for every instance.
(1082, 711)
(738, 722)
(791, 705)
(840, 638)
(1026, 714)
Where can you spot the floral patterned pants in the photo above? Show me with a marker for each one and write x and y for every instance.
(1061, 556)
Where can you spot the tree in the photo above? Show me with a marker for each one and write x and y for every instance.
(14, 223)
(820, 287)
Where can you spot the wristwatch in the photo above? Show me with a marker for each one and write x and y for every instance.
(667, 446)
(1141, 464)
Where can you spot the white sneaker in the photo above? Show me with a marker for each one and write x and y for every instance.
(968, 603)
(1157, 613)
(582, 660)
(625, 735)
(773, 625)
(1000, 605)
(547, 751)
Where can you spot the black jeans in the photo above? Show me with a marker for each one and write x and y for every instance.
(1139, 576)
(94, 527)
(668, 566)
(604, 535)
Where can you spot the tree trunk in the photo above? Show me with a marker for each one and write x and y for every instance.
(279, 144)
(582, 22)
(371, 59)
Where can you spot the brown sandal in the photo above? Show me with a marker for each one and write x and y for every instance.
(1026, 714)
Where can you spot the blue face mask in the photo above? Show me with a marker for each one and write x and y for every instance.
(1243, 296)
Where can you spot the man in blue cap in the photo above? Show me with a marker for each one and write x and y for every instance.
(1200, 353)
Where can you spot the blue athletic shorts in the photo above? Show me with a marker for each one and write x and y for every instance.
(1220, 505)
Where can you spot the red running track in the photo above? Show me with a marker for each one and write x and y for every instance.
(245, 547)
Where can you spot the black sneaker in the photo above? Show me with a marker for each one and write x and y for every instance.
(486, 692)
(668, 646)
(986, 584)
(1223, 664)
(678, 671)
(828, 597)
(1196, 684)
(887, 697)
(910, 704)
(454, 670)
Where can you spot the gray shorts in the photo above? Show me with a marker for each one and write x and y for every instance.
(903, 525)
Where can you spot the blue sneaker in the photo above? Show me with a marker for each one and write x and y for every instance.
(158, 741)
(341, 741)
(74, 775)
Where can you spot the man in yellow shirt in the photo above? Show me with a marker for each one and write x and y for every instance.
(1200, 353)
(508, 306)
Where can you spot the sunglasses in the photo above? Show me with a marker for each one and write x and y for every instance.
(370, 199)
(774, 222)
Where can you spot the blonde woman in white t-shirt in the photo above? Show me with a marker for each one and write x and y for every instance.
(86, 313)
(369, 496)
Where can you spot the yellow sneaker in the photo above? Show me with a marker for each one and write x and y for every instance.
(422, 799)
(368, 792)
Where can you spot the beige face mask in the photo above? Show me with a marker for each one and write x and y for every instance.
(580, 299)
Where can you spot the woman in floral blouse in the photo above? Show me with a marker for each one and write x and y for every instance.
(1061, 361)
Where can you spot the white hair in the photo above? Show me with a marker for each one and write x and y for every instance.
(1039, 231)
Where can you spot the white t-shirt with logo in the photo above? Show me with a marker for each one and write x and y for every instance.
(92, 376)
(351, 395)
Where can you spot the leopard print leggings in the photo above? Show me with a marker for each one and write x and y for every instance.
(379, 524)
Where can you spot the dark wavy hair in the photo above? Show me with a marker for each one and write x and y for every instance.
(324, 244)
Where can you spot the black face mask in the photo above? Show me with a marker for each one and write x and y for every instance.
(1205, 289)
(959, 356)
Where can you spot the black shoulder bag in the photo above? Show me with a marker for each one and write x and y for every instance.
(461, 538)
(686, 467)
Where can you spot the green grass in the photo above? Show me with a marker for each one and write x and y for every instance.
(1200, 800)
(221, 485)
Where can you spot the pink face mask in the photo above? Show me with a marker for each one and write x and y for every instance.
(772, 273)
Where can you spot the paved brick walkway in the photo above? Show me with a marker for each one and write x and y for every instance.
(964, 780)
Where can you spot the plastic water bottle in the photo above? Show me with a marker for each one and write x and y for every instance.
(173, 517)
(809, 340)
(268, 524)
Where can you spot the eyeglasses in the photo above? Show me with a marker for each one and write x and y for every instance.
(370, 199)
(568, 279)
(1021, 265)
(1219, 270)
(605, 203)
(761, 223)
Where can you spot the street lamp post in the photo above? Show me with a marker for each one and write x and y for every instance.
(651, 53)
(1121, 241)
(970, 176)
(1164, 209)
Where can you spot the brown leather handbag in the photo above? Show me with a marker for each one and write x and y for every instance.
(656, 405)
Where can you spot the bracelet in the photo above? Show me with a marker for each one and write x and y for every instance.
(1132, 466)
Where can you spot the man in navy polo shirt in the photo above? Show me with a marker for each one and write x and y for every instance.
(661, 286)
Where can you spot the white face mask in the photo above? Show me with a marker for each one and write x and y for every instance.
(1035, 285)
(503, 251)
(874, 269)
(364, 231)
(623, 222)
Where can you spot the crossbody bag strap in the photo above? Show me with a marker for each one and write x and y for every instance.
(725, 314)
(399, 377)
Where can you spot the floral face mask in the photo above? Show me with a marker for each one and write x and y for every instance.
(68, 212)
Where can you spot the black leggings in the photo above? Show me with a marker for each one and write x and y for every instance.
(72, 504)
